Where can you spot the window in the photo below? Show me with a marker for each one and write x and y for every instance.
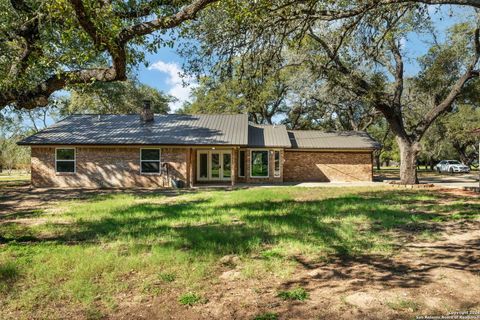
(227, 165)
(259, 164)
(65, 160)
(276, 170)
(203, 165)
(241, 163)
(150, 160)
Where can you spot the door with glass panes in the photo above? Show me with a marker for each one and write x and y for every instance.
(214, 165)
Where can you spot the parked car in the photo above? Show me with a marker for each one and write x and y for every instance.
(451, 166)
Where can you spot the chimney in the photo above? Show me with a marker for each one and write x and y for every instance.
(146, 115)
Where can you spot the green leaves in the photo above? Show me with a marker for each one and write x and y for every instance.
(115, 98)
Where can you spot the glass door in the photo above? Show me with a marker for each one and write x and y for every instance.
(226, 165)
(214, 165)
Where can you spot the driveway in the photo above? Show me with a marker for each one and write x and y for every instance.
(452, 181)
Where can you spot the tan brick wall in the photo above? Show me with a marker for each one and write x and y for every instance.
(327, 166)
(106, 167)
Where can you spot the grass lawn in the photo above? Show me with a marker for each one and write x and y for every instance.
(95, 257)
(13, 179)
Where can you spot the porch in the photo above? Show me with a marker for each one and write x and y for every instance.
(228, 166)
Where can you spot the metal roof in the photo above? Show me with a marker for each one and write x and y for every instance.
(268, 136)
(312, 139)
(202, 129)
(169, 129)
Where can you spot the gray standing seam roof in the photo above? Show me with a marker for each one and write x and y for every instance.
(268, 136)
(169, 129)
(312, 139)
(176, 129)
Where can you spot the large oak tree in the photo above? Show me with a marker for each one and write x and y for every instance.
(357, 46)
(49, 45)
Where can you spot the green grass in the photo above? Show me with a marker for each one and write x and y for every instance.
(14, 179)
(299, 294)
(81, 258)
(266, 316)
(167, 277)
(191, 298)
(404, 304)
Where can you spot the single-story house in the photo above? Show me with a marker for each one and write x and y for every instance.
(147, 150)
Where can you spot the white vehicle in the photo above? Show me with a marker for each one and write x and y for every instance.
(451, 166)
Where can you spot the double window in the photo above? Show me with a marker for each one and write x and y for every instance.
(65, 160)
(150, 161)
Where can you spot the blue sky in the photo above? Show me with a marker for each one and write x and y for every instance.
(164, 73)
(165, 66)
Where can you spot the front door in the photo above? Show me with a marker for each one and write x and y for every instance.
(213, 165)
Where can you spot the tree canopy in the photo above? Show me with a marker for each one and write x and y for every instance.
(357, 62)
(49, 45)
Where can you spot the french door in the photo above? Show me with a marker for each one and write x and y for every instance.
(213, 165)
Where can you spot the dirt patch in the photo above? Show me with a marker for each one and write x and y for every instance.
(459, 192)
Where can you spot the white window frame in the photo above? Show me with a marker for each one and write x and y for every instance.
(268, 164)
(209, 153)
(277, 174)
(159, 161)
(199, 152)
(245, 166)
(74, 160)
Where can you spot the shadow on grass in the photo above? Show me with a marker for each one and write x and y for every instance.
(8, 275)
(346, 227)
(206, 227)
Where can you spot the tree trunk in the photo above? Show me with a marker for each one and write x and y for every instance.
(408, 161)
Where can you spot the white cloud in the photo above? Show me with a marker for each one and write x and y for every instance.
(175, 82)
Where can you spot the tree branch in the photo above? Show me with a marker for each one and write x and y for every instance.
(397, 96)
(38, 96)
(187, 13)
(455, 91)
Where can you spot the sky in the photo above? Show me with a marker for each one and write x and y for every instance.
(165, 73)
(165, 66)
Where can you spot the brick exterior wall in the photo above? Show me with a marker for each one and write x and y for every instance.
(119, 167)
(327, 166)
(106, 167)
